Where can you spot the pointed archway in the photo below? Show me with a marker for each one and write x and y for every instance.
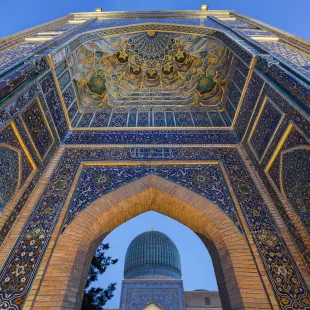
(65, 276)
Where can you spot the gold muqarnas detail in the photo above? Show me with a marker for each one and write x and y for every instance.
(151, 68)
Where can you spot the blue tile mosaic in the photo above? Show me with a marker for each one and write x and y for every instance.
(9, 167)
(206, 180)
(266, 125)
(194, 137)
(138, 295)
(38, 128)
(19, 271)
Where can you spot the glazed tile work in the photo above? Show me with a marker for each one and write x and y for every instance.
(247, 106)
(299, 59)
(167, 295)
(29, 70)
(293, 159)
(26, 46)
(34, 62)
(168, 137)
(9, 167)
(24, 197)
(243, 50)
(267, 122)
(211, 22)
(38, 128)
(20, 268)
(206, 180)
(96, 84)
(297, 190)
(16, 105)
(153, 117)
(15, 111)
(8, 57)
(294, 112)
(271, 180)
(54, 104)
(292, 84)
(291, 112)
(8, 137)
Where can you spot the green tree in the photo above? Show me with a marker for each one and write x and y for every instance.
(96, 297)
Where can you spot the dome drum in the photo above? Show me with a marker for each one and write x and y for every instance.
(152, 273)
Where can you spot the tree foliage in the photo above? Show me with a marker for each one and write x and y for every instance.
(96, 297)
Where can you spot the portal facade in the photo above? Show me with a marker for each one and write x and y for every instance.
(200, 115)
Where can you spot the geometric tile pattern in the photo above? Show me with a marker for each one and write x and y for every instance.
(132, 97)
(248, 104)
(16, 52)
(9, 174)
(293, 160)
(14, 111)
(296, 162)
(150, 118)
(16, 105)
(206, 180)
(264, 127)
(38, 128)
(298, 59)
(23, 262)
(294, 139)
(54, 105)
(291, 113)
(292, 84)
(8, 137)
(153, 117)
(64, 79)
(138, 295)
(154, 137)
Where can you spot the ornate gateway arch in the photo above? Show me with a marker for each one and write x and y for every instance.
(200, 115)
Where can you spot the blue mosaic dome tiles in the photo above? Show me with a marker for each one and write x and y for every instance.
(152, 255)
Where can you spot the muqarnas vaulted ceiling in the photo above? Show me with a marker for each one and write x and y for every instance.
(151, 79)
(151, 68)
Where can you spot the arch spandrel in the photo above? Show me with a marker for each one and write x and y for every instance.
(204, 178)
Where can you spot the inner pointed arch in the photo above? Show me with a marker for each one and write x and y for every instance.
(206, 180)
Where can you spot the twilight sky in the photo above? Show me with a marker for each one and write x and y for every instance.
(291, 16)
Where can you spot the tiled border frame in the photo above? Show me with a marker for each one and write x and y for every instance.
(266, 99)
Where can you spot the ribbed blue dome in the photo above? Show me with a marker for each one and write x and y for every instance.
(152, 255)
